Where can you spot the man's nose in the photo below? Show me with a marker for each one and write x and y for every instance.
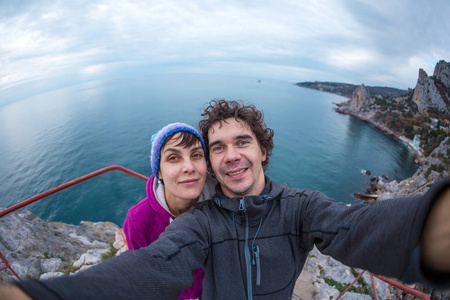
(232, 154)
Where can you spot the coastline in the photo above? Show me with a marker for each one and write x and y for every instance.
(431, 169)
(368, 118)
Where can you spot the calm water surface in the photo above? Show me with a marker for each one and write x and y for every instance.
(51, 138)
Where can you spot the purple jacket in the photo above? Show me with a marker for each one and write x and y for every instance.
(145, 222)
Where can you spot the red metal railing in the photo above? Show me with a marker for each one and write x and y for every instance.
(392, 282)
(61, 187)
(4, 264)
(69, 184)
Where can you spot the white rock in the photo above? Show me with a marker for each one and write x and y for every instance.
(355, 296)
(50, 275)
(51, 265)
(84, 267)
(92, 256)
(381, 286)
(86, 241)
(324, 291)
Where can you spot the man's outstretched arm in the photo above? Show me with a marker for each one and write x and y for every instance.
(435, 241)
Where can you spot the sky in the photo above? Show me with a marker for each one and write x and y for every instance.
(47, 44)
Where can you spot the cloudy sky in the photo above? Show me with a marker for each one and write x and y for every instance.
(49, 43)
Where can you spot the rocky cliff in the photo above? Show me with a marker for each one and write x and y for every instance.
(360, 98)
(435, 167)
(430, 92)
(36, 248)
(442, 73)
(423, 111)
(430, 95)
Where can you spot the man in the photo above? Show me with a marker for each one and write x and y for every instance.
(254, 236)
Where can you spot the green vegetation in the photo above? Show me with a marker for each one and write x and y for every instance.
(51, 254)
(111, 253)
(438, 168)
(366, 290)
(68, 269)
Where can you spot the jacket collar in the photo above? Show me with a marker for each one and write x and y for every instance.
(255, 206)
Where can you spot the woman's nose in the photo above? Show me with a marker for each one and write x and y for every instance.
(188, 166)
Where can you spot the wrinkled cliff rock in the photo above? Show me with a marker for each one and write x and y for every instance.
(360, 98)
(442, 73)
(328, 274)
(434, 168)
(36, 247)
(427, 95)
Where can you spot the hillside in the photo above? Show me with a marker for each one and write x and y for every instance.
(346, 89)
(420, 118)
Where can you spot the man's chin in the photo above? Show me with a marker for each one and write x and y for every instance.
(236, 191)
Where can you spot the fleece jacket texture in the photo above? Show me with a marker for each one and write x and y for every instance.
(148, 219)
(255, 247)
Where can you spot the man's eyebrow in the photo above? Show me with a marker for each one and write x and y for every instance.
(243, 137)
(214, 143)
(238, 137)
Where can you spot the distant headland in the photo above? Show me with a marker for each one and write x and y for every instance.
(419, 117)
(347, 89)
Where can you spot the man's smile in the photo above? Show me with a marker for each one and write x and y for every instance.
(236, 172)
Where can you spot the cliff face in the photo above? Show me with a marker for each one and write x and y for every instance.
(360, 98)
(36, 248)
(435, 167)
(427, 95)
(442, 73)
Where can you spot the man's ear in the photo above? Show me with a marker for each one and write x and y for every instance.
(264, 155)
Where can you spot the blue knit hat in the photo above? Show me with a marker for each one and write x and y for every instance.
(159, 138)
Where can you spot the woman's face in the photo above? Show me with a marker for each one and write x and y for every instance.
(183, 172)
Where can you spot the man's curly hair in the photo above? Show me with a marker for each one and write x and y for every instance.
(219, 110)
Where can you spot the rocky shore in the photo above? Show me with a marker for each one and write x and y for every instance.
(36, 248)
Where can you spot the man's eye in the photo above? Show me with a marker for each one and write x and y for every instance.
(217, 148)
(242, 143)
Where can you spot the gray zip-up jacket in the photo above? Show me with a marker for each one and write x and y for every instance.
(255, 247)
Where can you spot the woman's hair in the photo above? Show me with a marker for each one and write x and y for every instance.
(186, 139)
(219, 110)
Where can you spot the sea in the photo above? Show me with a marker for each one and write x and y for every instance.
(56, 136)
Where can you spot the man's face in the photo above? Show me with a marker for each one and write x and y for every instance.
(236, 158)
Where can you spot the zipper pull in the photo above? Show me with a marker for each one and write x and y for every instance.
(258, 265)
(242, 205)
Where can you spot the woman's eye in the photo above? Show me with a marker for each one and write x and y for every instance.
(197, 155)
(172, 158)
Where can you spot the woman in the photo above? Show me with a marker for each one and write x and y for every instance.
(180, 179)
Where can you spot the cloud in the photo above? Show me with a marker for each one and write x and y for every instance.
(359, 41)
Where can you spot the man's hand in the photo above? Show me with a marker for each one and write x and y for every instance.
(435, 243)
(12, 292)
